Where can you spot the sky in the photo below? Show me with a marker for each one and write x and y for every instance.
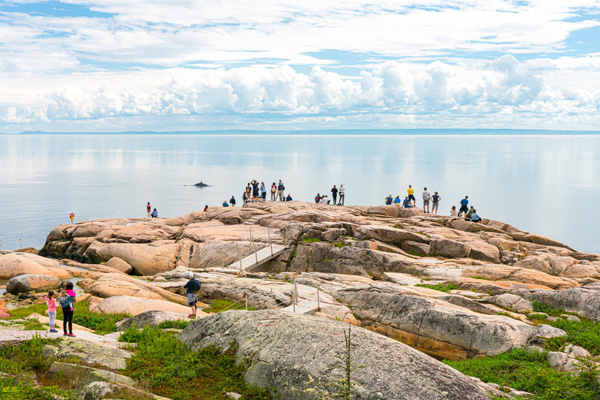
(159, 65)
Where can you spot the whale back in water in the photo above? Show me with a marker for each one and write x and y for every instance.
(201, 184)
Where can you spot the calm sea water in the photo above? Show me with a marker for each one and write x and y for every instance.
(544, 184)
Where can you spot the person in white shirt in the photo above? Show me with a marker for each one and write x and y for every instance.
(342, 194)
(426, 198)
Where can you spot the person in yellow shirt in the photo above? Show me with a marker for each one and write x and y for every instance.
(411, 194)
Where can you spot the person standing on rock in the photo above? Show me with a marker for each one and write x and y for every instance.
(148, 209)
(280, 191)
(66, 304)
(426, 198)
(436, 202)
(342, 195)
(273, 191)
(411, 194)
(334, 193)
(248, 191)
(192, 288)
(388, 200)
(463, 206)
(232, 201)
(263, 191)
(254, 188)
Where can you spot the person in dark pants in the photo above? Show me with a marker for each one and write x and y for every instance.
(334, 193)
(463, 206)
(66, 304)
(254, 188)
(232, 201)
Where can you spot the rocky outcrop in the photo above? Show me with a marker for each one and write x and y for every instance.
(136, 305)
(583, 300)
(432, 325)
(301, 357)
(30, 282)
(150, 318)
(110, 285)
(15, 264)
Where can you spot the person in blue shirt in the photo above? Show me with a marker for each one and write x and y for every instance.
(154, 214)
(407, 203)
(463, 206)
(388, 200)
(397, 201)
(289, 197)
(225, 204)
(475, 217)
(263, 191)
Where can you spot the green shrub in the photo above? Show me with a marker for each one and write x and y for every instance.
(442, 287)
(173, 324)
(311, 240)
(530, 372)
(172, 370)
(340, 244)
(543, 308)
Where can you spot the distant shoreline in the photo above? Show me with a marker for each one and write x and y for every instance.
(336, 132)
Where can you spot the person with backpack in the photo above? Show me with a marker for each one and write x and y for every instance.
(148, 209)
(280, 191)
(66, 304)
(192, 288)
(232, 201)
(273, 191)
(318, 198)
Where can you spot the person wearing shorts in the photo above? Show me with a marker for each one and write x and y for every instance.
(192, 286)
(411, 195)
(435, 203)
(464, 206)
(426, 198)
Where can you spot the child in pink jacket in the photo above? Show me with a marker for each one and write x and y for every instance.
(51, 301)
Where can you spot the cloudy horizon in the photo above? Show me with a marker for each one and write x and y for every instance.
(86, 65)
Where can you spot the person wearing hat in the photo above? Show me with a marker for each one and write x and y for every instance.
(192, 287)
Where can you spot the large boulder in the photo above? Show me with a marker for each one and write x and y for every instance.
(136, 305)
(146, 259)
(433, 325)
(450, 248)
(29, 282)
(14, 264)
(110, 285)
(150, 318)
(302, 358)
(388, 234)
(119, 265)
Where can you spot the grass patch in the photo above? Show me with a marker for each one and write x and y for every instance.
(480, 277)
(173, 324)
(311, 240)
(101, 323)
(218, 306)
(553, 312)
(442, 287)
(169, 368)
(505, 314)
(19, 365)
(398, 226)
(340, 244)
(521, 370)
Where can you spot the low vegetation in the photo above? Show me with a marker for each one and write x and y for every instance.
(531, 372)
(218, 306)
(311, 240)
(169, 368)
(442, 287)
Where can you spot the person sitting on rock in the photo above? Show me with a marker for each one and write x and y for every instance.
(475, 217)
(407, 203)
(469, 213)
(225, 203)
(192, 288)
(154, 214)
(397, 201)
(453, 212)
(289, 197)
(388, 200)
